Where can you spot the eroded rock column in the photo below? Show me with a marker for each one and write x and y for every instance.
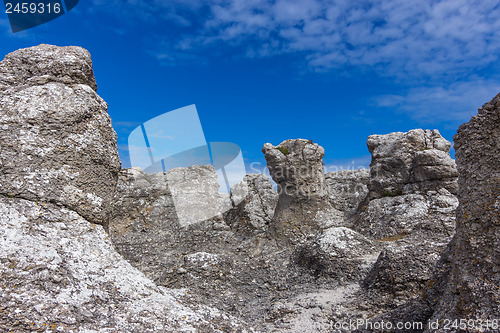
(303, 208)
(57, 144)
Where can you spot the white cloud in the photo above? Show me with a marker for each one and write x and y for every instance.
(456, 102)
(425, 38)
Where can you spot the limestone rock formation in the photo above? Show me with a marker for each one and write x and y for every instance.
(409, 208)
(347, 188)
(58, 170)
(179, 256)
(303, 207)
(254, 201)
(239, 260)
(58, 144)
(62, 273)
(410, 162)
(36, 66)
(469, 286)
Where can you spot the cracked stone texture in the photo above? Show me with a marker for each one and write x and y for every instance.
(58, 171)
(410, 208)
(254, 201)
(57, 142)
(347, 188)
(468, 278)
(465, 282)
(42, 64)
(303, 207)
(61, 273)
(230, 266)
(410, 162)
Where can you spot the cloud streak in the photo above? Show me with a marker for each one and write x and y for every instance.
(442, 52)
(426, 38)
(454, 103)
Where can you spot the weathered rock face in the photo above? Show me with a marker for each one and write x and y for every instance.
(347, 188)
(61, 272)
(471, 276)
(254, 201)
(411, 176)
(36, 66)
(303, 207)
(298, 268)
(57, 142)
(236, 267)
(403, 215)
(409, 208)
(403, 269)
(410, 162)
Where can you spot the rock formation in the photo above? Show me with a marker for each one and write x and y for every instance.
(86, 247)
(254, 202)
(58, 145)
(409, 208)
(58, 171)
(303, 208)
(347, 188)
(410, 162)
(468, 279)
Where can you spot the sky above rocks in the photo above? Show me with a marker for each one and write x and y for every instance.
(266, 71)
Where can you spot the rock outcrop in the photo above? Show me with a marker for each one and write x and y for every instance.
(416, 161)
(303, 207)
(409, 209)
(347, 188)
(468, 277)
(58, 144)
(253, 203)
(87, 247)
(61, 273)
(58, 171)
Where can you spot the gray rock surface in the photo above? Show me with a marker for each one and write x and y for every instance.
(410, 162)
(179, 256)
(468, 278)
(58, 170)
(61, 273)
(253, 203)
(194, 193)
(432, 213)
(303, 207)
(42, 64)
(404, 268)
(463, 290)
(347, 188)
(58, 144)
(409, 209)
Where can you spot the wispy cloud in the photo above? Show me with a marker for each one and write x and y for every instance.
(431, 47)
(392, 37)
(450, 103)
(426, 38)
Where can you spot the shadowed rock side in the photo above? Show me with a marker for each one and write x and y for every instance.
(253, 202)
(464, 285)
(57, 143)
(235, 266)
(58, 170)
(468, 278)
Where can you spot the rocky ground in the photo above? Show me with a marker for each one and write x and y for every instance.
(85, 246)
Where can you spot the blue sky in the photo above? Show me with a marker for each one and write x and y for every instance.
(266, 71)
